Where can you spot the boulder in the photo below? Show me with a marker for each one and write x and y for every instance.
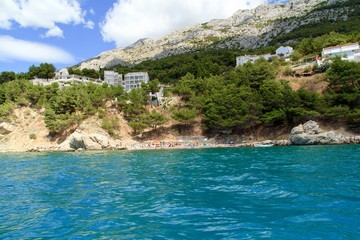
(311, 127)
(6, 128)
(311, 134)
(77, 141)
(65, 146)
(298, 130)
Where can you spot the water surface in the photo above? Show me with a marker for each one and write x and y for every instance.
(244, 193)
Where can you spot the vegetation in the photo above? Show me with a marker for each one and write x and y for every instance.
(45, 70)
(241, 99)
(210, 88)
(7, 76)
(110, 125)
(201, 63)
(32, 136)
(250, 96)
(87, 72)
(349, 26)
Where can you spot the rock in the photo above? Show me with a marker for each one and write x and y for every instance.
(90, 144)
(282, 143)
(76, 141)
(311, 127)
(101, 140)
(301, 139)
(6, 128)
(79, 140)
(311, 134)
(298, 130)
(65, 146)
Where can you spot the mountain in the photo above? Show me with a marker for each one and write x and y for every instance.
(246, 29)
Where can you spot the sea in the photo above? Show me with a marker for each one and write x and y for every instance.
(310, 192)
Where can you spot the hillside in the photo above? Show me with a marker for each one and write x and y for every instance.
(206, 99)
(246, 29)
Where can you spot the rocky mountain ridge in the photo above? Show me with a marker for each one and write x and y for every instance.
(246, 29)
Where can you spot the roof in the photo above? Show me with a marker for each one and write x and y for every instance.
(344, 45)
(281, 47)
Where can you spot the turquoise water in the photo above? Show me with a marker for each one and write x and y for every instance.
(244, 193)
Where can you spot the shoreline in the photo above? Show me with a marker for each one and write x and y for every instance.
(139, 147)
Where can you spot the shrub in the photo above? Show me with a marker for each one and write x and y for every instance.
(27, 112)
(295, 56)
(32, 136)
(288, 71)
(6, 110)
(110, 124)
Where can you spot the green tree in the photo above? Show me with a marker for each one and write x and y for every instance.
(154, 119)
(57, 123)
(90, 73)
(134, 108)
(154, 86)
(186, 87)
(7, 76)
(75, 71)
(6, 109)
(253, 74)
(184, 116)
(344, 76)
(110, 125)
(232, 108)
(295, 56)
(45, 70)
(22, 76)
(306, 46)
(137, 126)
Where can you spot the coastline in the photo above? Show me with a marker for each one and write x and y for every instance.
(141, 146)
(91, 137)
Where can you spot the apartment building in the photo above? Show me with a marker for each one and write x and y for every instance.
(112, 78)
(130, 80)
(134, 80)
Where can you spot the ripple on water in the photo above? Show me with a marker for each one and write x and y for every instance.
(277, 193)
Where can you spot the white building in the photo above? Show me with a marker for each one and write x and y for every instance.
(284, 51)
(130, 81)
(241, 60)
(134, 80)
(65, 80)
(112, 78)
(62, 74)
(350, 52)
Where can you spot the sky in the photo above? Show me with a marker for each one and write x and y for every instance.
(66, 32)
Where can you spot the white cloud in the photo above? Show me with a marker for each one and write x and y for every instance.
(90, 24)
(54, 32)
(130, 20)
(12, 49)
(41, 14)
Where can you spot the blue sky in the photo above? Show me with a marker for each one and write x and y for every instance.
(66, 32)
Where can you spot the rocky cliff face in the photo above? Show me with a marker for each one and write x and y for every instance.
(245, 29)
